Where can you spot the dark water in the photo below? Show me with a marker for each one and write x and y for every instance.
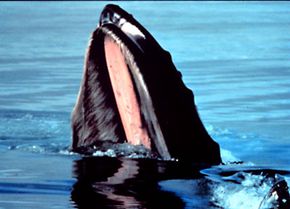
(235, 56)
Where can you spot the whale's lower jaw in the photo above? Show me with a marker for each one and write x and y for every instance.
(131, 92)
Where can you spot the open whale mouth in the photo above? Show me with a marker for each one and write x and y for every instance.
(131, 92)
(123, 47)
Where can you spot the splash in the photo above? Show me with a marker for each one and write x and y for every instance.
(238, 187)
(248, 194)
(124, 150)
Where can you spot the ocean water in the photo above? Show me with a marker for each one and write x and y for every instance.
(235, 56)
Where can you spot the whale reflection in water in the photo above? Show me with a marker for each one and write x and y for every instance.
(104, 182)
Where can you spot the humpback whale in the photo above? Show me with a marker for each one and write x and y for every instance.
(131, 92)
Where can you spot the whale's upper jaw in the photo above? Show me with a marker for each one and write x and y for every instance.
(166, 106)
(113, 14)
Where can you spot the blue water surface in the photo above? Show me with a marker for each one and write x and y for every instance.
(235, 56)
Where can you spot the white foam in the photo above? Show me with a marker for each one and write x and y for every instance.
(228, 157)
(249, 194)
(108, 153)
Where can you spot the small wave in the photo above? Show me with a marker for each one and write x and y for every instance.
(61, 187)
(50, 148)
(240, 186)
(23, 126)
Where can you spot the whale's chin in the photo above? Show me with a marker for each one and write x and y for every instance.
(131, 92)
